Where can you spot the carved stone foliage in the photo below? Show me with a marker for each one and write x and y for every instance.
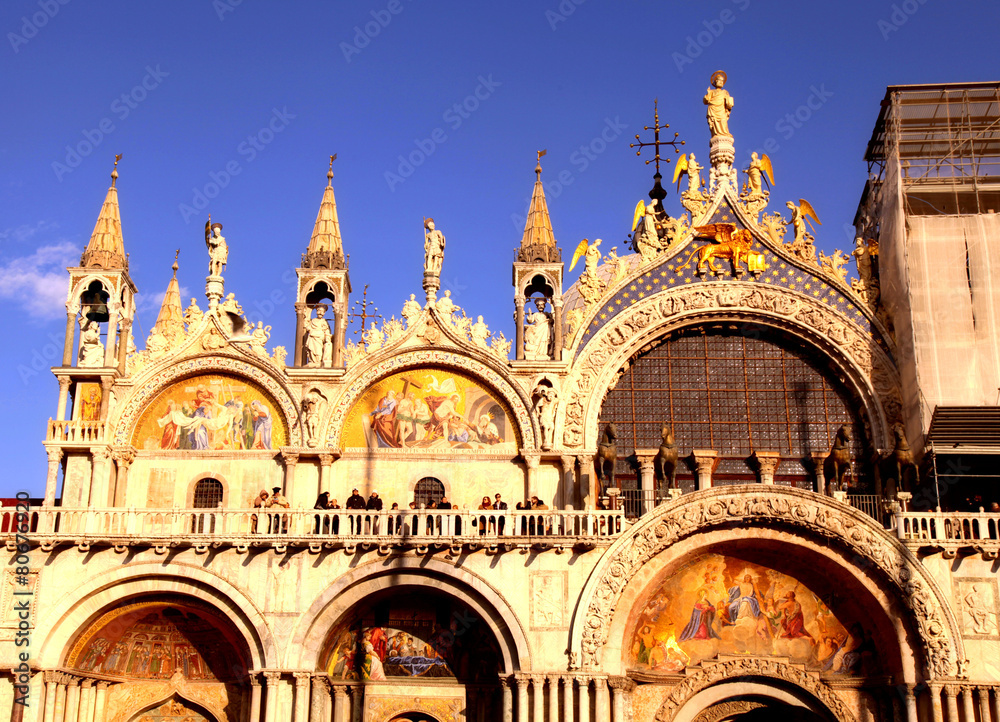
(446, 709)
(593, 370)
(448, 358)
(750, 667)
(857, 533)
(725, 710)
(151, 386)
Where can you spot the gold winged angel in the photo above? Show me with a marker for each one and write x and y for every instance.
(687, 165)
(756, 176)
(800, 216)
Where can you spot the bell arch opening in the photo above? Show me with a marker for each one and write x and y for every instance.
(736, 389)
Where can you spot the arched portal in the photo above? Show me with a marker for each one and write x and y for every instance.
(175, 709)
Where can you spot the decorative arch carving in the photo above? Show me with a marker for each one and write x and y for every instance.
(515, 398)
(353, 587)
(145, 697)
(751, 667)
(693, 513)
(134, 405)
(867, 367)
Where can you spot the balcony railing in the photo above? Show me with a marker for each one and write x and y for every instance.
(78, 432)
(968, 528)
(154, 526)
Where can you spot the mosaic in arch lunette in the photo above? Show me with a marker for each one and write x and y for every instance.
(718, 604)
(211, 412)
(153, 640)
(429, 408)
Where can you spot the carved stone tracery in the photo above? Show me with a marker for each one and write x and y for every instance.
(698, 512)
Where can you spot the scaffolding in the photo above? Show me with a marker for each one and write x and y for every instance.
(931, 212)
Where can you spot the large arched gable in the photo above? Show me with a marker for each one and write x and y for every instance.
(692, 514)
(489, 377)
(866, 366)
(135, 405)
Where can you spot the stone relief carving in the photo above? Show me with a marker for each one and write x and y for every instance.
(693, 514)
(733, 668)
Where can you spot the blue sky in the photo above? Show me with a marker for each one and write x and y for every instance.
(192, 90)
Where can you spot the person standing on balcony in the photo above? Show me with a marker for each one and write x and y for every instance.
(279, 523)
(258, 503)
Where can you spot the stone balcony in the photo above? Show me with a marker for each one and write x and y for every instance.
(84, 433)
(426, 530)
(951, 533)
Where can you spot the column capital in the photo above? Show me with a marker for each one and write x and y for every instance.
(531, 458)
(705, 459)
(302, 678)
(289, 457)
(55, 454)
(64, 382)
(272, 677)
(521, 679)
(326, 459)
(568, 463)
(102, 685)
(766, 463)
(124, 455)
(645, 458)
(100, 453)
(952, 690)
(254, 679)
(621, 684)
(519, 299)
(87, 683)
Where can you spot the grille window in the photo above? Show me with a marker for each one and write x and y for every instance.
(428, 490)
(207, 494)
(734, 391)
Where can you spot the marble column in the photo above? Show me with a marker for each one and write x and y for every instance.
(291, 459)
(109, 342)
(73, 700)
(519, 327)
(68, 346)
(557, 318)
(105, 398)
(996, 704)
(254, 697)
(271, 696)
(647, 478)
(553, 698)
(704, 461)
(531, 461)
(968, 705)
(123, 458)
(767, 463)
(87, 700)
(569, 497)
(99, 477)
(52, 477)
(123, 344)
(319, 708)
(301, 704)
(508, 701)
(618, 688)
(63, 398)
(818, 458)
(602, 701)
(100, 701)
(522, 698)
(341, 704)
(937, 713)
(984, 703)
(583, 685)
(300, 329)
(50, 697)
(951, 699)
(325, 468)
(567, 699)
(538, 693)
(339, 329)
(911, 704)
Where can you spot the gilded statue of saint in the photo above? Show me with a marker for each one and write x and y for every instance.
(720, 105)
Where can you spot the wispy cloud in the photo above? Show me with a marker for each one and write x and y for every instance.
(26, 231)
(38, 282)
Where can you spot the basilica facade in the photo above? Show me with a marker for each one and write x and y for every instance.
(707, 481)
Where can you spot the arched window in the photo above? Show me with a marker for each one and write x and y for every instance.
(428, 491)
(735, 390)
(207, 494)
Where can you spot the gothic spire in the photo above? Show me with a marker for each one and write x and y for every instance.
(170, 321)
(106, 248)
(538, 242)
(326, 249)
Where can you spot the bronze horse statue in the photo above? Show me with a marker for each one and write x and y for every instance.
(665, 462)
(606, 456)
(898, 470)
(838, 462)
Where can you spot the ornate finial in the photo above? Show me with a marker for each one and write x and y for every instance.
(329, 173)
(114, 171)
(177, 254)
(656, 128)
(361, 312)
(538, 166)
